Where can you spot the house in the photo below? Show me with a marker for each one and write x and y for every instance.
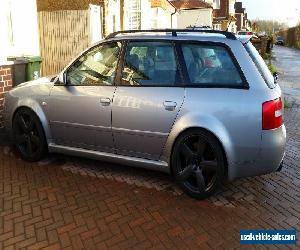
(242, 22)
(224, 16)
(164, 14)
(240, 15)
(193, 13)
(17, 20)
(145, 14)
(247, 23)
(18, 36)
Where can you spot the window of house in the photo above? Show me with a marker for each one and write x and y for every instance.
(96, 67)
(150, 64)
(134, 14)
(210, 65)
(217, 26)
(216, 4)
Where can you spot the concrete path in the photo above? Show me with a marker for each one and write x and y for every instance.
(287, 61)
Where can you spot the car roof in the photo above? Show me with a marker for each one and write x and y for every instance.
(244, 38)
(175, 35)
(172, 34)
(170, 37)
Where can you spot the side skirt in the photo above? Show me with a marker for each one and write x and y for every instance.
(114, 158)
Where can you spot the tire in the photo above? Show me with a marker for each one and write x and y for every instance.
(198, 163)
(29, 136)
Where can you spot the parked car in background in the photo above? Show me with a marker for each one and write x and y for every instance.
(200, 105)
(279, 40)
(246, 34)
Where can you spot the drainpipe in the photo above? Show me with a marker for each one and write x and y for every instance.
(121, 14)
(172, 17)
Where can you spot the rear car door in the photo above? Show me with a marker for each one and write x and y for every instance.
(147, 99)
(80, 109)
(219, 90)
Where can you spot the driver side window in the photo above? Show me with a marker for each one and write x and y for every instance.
(96, 67)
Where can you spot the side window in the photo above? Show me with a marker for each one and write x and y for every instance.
(96, 67)
(210, 65)
(150, 64)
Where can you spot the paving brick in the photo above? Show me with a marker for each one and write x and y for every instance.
(68, 202)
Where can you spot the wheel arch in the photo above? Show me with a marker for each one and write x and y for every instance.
(205, 123)
(38, 111)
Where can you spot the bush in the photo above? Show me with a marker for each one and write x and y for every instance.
(272, 68)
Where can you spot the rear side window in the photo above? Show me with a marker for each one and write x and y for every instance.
(210, 66)
(150, 64)
(260, 65)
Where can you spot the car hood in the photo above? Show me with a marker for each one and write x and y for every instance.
(42, 80)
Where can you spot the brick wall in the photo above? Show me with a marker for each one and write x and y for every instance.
(5, 85)
(224, 9)
(239, 24)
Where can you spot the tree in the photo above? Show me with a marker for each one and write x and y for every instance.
(269, 26)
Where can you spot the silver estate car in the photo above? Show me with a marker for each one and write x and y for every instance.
(200, 105)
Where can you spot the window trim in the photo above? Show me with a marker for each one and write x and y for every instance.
(188, 84)
(121, 64)
(84, 53)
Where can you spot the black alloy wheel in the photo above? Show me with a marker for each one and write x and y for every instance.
(29, 135)
(198, 163)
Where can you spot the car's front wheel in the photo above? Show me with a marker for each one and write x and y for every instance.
(29, 135)
(198, 163)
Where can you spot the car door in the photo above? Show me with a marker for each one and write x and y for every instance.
(147, 99)
(80, 109)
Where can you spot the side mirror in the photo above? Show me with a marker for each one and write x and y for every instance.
(62, 78)
(276, 77)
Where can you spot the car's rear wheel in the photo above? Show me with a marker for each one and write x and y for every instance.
(29, 135)
(198, 163)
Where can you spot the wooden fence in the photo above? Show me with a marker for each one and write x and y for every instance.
(63, 34)
(291, 37)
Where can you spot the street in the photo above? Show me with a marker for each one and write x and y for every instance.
(68, 202)
(287, 62)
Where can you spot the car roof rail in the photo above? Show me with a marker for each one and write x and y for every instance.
(174, 32)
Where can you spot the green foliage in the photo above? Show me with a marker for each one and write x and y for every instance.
(286, 104)
(272, 68)
(268, 60)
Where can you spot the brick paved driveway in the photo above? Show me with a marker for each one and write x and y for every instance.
(67, 202)
(76, 203)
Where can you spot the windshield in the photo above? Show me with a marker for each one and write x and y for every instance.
(261, 65)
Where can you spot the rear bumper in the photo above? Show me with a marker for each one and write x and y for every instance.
(270, 157)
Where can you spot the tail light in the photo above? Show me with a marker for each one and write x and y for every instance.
(272, 114)
(249, 33)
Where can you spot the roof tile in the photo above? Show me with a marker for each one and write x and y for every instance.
(190, 4)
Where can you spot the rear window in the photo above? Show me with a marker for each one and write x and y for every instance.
(260, 65)
(211, 66)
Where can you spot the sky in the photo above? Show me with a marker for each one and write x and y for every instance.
(287, 11)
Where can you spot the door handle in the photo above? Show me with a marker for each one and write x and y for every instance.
(170, 106)
(105, 101)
